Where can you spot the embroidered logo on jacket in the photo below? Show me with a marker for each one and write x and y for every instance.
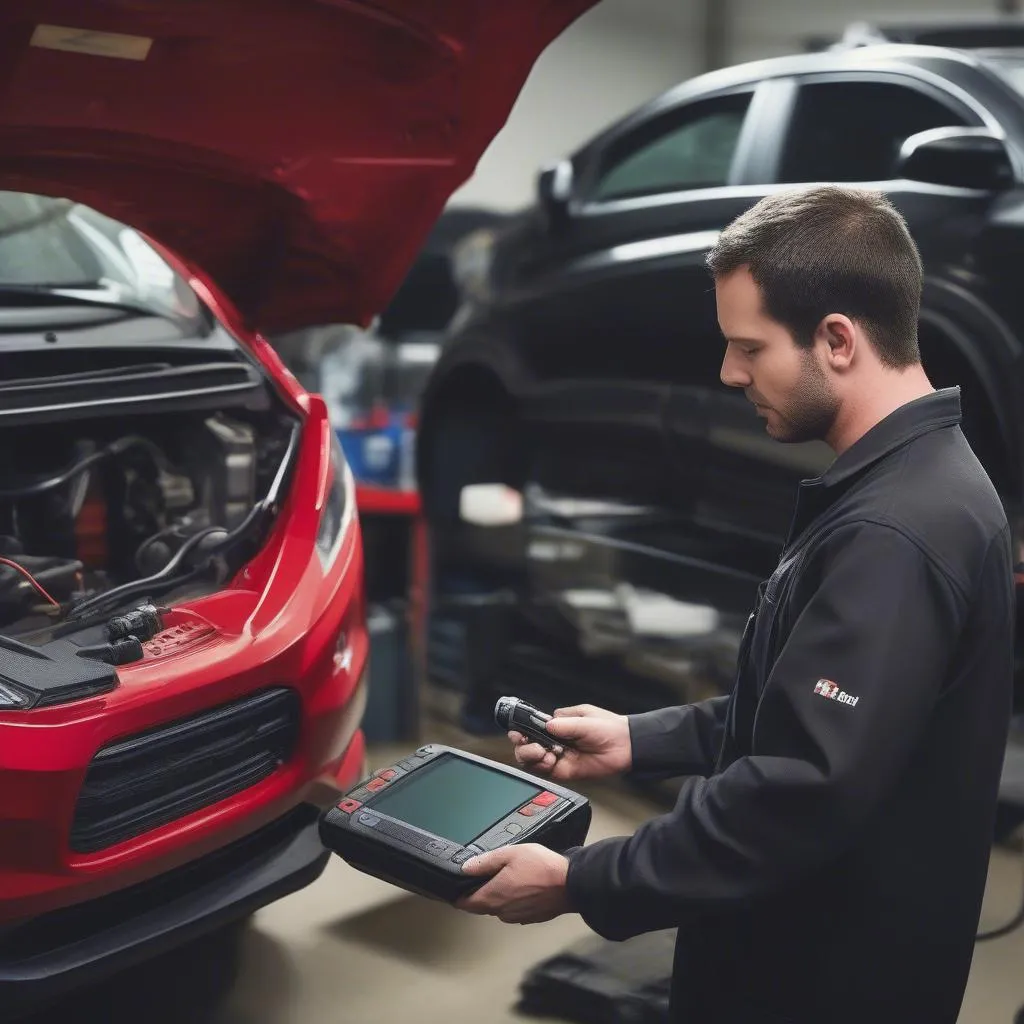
(826, 688)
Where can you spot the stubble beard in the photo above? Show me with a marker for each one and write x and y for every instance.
(811, 409)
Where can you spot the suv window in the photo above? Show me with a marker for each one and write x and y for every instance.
(852, 131)
(692, 148)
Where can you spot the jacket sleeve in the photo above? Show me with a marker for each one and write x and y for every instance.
(881, 626)
(678, 741)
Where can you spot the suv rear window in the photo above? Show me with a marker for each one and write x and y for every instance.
(852, 131)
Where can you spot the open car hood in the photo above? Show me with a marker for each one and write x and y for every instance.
(296, 152)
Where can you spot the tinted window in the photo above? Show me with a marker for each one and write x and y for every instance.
(692, 149)
(852, 131)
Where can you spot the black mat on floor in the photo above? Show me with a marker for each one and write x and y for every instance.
(599, 982)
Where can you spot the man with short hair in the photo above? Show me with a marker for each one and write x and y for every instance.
(826, 858)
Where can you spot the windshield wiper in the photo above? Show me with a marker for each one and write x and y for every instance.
(84, 293)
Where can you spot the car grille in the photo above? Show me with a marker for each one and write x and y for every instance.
(145, 781)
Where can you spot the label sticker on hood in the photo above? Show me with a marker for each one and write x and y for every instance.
(98, 44)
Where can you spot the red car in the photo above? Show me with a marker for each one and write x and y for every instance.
(182, 640)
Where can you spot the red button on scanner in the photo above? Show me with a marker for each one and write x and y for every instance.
(387, 775)
(545, 799)
(529, 810)
(377, 784)
(349, 805)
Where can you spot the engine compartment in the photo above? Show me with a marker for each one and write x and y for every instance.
(102, 515)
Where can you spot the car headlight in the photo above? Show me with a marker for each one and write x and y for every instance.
(339, 508)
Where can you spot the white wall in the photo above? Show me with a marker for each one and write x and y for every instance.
(612, 59)
(770, 28)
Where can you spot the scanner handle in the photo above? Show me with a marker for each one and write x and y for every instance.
(515, 714)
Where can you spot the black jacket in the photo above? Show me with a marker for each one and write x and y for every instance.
(826, 862)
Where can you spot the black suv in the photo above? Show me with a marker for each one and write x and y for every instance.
(582, 370)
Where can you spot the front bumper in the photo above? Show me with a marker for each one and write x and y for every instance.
(50, 955)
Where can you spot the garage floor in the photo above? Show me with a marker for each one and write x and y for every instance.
(352, 949)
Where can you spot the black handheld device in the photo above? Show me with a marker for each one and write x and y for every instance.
(415, 823)
(514, 713)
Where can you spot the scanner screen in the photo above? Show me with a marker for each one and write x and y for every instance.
(455, 799)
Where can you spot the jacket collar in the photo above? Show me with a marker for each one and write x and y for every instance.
(931, 412)
(940, 409)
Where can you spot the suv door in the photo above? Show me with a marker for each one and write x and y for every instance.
(619, 297)
(839, 128)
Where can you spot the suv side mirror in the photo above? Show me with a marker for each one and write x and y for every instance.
(958, 157)
(554, 190)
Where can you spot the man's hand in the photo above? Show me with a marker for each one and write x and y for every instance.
(600, 738)
(528, 884)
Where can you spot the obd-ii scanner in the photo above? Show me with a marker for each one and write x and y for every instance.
(415, 823)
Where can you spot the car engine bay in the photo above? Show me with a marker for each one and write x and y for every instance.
(103, 515)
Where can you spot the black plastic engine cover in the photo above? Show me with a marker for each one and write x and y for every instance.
(36, 677)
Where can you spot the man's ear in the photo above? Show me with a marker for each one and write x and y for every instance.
(839, 336)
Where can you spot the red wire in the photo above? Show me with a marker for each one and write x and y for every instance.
(35, 583)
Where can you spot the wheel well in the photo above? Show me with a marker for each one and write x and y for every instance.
(946, 366)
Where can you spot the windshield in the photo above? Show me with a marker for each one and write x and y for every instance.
(59, 246)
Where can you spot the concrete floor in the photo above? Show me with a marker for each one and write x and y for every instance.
(352, 950)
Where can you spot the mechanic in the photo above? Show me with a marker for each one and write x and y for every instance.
(826, 858)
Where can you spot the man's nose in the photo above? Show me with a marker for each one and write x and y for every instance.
(733, 375)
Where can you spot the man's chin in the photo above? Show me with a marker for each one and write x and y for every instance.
(779, 429)
(787, 436)
(778, 432)
(770, 428)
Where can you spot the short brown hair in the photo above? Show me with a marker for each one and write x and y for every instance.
(828, 249)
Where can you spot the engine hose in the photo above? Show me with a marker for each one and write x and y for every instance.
(150, 541)
(51, 483)
(138, 586)
(165, 579)
(164, 575)
(118, 652)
